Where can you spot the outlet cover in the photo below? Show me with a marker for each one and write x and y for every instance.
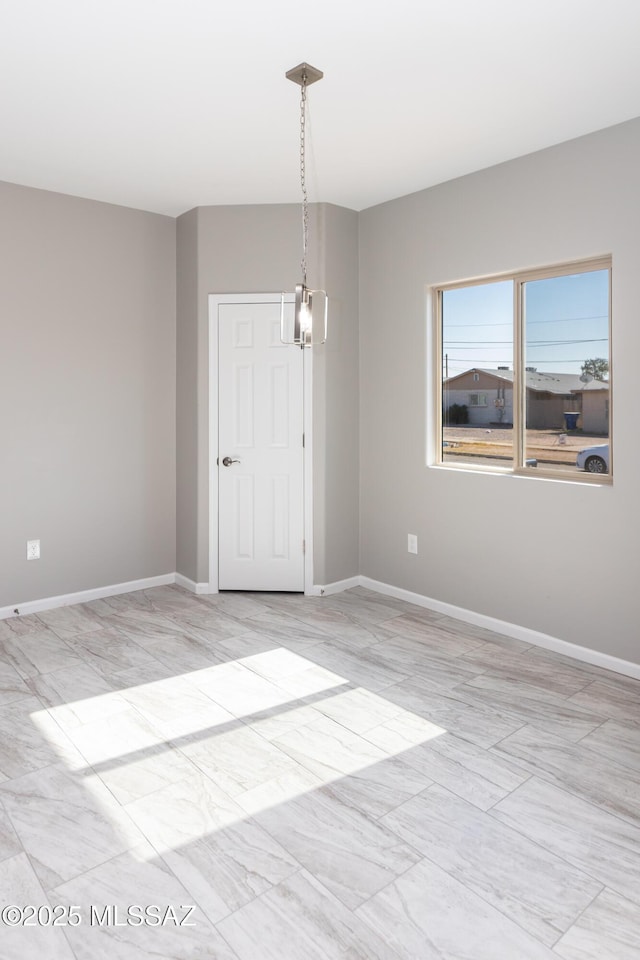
(33, 549)
(412, 543)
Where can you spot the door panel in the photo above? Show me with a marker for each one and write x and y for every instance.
(243, 513)
(261, 497)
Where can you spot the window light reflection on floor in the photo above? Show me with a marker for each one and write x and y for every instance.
(231, 740)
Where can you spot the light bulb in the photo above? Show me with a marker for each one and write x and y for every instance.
(305, 316)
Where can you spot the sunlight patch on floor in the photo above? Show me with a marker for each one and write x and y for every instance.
(217, 745)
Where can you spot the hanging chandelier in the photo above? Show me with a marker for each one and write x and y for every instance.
(311, 306)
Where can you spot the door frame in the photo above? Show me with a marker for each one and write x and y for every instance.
(215, 301)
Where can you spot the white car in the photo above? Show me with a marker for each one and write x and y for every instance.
(594, 459)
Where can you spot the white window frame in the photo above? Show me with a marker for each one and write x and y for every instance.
(519, 278)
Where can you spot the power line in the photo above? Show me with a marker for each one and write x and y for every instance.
(530, 343)
(563, 343)
(506, 360)
(598, 316)
(530, 323)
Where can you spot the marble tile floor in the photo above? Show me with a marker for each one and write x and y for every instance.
(274, 777)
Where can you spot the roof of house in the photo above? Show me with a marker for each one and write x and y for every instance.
(593, 385)
(560, 383)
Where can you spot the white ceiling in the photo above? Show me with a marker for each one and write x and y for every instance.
(170, 104)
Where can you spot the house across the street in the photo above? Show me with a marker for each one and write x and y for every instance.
(488, 396)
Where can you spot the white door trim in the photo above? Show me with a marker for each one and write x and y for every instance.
(215, 300)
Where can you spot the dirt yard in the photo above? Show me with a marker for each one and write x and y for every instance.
(553, 446)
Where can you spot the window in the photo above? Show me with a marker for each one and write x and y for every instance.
(524, 374)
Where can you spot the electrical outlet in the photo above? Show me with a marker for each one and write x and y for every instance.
(412, 543)
(33, 549)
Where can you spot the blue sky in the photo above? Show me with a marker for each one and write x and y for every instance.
(566, 323)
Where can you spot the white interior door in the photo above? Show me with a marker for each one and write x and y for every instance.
(260, 452)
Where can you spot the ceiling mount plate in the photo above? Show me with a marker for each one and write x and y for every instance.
(304, 74)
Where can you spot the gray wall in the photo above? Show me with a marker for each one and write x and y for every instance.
(556, 557)
(187, 394)
(256, 249)
(87, 393)
(337, 406)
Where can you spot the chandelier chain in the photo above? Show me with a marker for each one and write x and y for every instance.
(303, 179)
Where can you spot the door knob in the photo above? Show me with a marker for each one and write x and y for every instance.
(227, 461)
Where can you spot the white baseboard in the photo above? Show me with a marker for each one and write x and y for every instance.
(338, 587)
(584, 654)
(84, 596)
(536, 639)
(192, 586)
